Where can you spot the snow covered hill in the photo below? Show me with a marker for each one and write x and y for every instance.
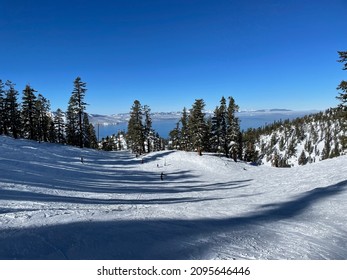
(309, 139)
(53, 206)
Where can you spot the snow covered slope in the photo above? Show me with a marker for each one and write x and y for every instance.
(304, 140)
(112, 206)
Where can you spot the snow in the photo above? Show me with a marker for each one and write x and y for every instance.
(112, 206)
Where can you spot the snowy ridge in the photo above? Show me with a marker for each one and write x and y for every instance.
(304, 140)
(112, 206)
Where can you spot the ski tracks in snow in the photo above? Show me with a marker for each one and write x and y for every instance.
(206, 207)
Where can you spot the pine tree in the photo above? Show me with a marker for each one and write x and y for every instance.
(108, 144)
(2, 106)
(135, 135)
(44, 119)
(75, 114)
(29, 114)
(184, 135)
(216, 131)
(343, 97)
(148, 131)
(59, 126)
(250, 139)
(240, 145)
(343, 85)
(89, 136)
(302, 160)
(52, 133)
(158, 143)
(197, 125)
(219, 129)
(327, 144)
(208, 134)
(224, 123)
(175, 137)
(12, 113)
(71, 123)
(233, 129)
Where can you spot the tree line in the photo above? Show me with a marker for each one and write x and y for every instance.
(32, 118)
(277, 142)
(219, 133)
(140, 137)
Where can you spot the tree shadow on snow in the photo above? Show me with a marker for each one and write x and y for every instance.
(156, 239)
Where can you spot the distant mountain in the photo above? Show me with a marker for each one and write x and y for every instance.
(280, 110)
(266, 110)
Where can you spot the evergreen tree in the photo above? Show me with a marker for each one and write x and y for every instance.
(184, 138)
(158, 143)
(343, 98)
(89, 136)
(148, 131)
(343, 85)
(12, 113)
(71, 123)
(216, 131)
(29, 114)
(135, 135)
(52, 135)
(240, 145)
(224, 126)
(327, 144)
(44, 119)
(108, 144)
(281, 144)
(233, 129)
(59, 126)
(219, 129)
(92, 137)
(2, 107)
(197, 125)
(208, 134)
(75, 114)
(250, 139)
(175, 137)
(302, 158)
(335, 152)
(291, 150)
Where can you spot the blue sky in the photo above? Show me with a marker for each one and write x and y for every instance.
(264, 53)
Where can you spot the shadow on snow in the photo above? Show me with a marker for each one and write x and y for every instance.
(158, 239)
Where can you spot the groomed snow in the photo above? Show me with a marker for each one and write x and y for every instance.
(112, 206)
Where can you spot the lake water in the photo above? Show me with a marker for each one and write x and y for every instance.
(163, 127)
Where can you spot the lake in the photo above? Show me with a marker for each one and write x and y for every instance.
(247, 120)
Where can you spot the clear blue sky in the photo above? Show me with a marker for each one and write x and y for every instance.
(264, 53)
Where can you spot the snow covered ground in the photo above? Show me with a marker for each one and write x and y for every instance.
(52, 206)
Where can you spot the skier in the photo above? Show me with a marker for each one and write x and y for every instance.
(162, 176)
(82, 159)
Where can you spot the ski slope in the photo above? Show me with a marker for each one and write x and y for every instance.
(112, 206)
